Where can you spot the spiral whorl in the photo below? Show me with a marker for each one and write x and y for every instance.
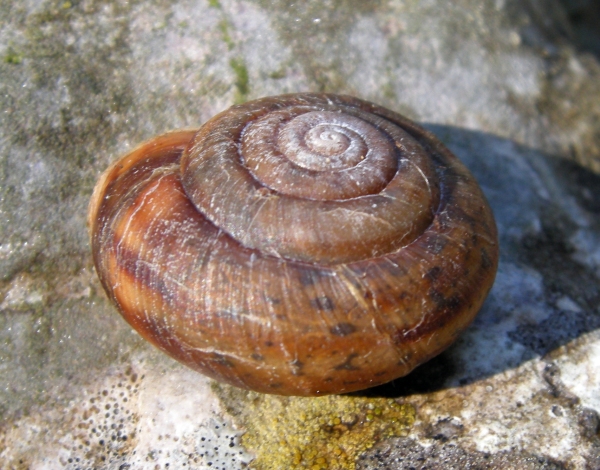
(314, 178)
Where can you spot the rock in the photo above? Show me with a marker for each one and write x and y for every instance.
(512, 87)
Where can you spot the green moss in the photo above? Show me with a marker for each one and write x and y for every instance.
(314, 433)
(278, 74)
(241, 81)
(237, 64)
(12, 57)
(214, 3)
(224, 28)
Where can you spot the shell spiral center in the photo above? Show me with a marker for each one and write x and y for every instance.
(323, 141)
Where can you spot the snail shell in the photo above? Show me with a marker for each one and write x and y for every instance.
(302, 244)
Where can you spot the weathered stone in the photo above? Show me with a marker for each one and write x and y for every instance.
(512, 87)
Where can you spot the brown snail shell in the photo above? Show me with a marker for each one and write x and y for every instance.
(301, 244)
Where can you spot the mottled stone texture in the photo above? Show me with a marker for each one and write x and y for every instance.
(513, 87)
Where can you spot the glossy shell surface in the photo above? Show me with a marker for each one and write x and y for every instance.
(301, 244)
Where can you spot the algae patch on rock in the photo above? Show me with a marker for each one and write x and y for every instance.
(328, 432)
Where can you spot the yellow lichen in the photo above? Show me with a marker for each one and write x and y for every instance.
(314, 433)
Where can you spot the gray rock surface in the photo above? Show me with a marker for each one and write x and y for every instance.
(512, 87)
